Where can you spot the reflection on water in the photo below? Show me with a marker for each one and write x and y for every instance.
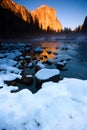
(49, 49)
(70, 51)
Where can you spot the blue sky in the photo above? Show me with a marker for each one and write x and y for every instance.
(71, 13)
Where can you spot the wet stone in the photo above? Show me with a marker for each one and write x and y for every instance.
(49, 51)
(30, 65)
(38, 50)
(60, 65)
(49, 61)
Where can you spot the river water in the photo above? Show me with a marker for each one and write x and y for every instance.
(73, 51)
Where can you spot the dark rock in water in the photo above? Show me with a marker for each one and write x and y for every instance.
(60, 65)
(68, 59)
(25, 72)
(49, 51)
(41, 58)
(27, 80)
(55, 53)
(27, 58)
(49, 61)
(37, 68)
(45, 56)
(31, 65)
(65, 48)
(45, 75)
(28, 50)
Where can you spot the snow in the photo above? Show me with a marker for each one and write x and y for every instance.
(45, 74)
(29, 76)
(61, 106)
(56, 106)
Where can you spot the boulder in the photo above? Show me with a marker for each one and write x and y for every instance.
(49, 61)
(49, 51)
(27, 58)
(27, 80)
(38, 50)
(39, 66)
(31, 65)
(60, 65)
(45, 75)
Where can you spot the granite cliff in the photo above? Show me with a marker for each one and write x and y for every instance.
(16, 18)
(46, 18)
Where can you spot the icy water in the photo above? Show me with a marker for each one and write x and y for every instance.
(71, 51)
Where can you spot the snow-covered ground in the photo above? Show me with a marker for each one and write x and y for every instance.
(56, 106)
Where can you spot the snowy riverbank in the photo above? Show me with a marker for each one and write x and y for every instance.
(61, 106)
(56, 106)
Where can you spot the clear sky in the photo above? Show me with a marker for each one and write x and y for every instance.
(71, 13)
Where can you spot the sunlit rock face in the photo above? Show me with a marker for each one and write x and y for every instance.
(16, 18)
(46, 18)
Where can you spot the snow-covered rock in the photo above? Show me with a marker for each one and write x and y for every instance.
(44, 75)
(39, 66)
(38, 50)
(60, 65)
(30, 65)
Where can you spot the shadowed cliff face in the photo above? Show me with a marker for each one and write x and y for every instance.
(18, 10)
(46, 18)
(17, 18)
(84, 26)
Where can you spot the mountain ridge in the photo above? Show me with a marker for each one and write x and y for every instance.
(47, 19)
(15, 16)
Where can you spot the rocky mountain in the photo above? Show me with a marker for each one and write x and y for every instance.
(84, 26)
(46, 18)
(16, 18)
